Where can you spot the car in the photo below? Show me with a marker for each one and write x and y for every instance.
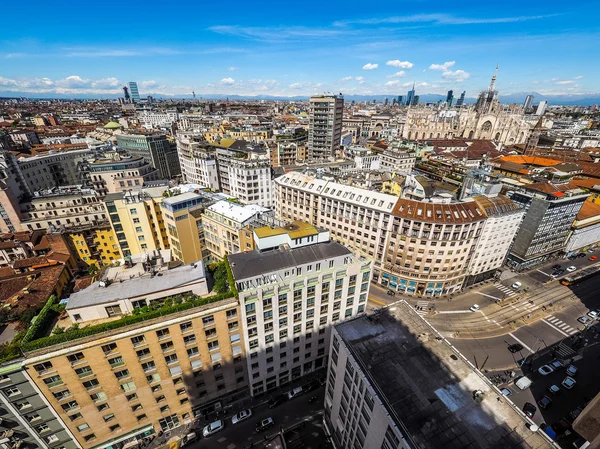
(545, 370)
(575, 413)
(561, 271)
(391, 293)
(556, 273)
(241, 416)
(571, 370)
(188, 439)
(568, 382)
(572, 257)
(474, 308)
(556, 267)
(516, 285)
(311, 386)
(545, 402)
(571, 268)
(581, 255)
(212, 428)
(593, 258)
(529, 409)
(515, 348)
(556, 364)
(506, 392)
(294, 392)
(593, 314)
(584, 319)
(264, 424)
(277, 400)
(554, 389)
(591, 250)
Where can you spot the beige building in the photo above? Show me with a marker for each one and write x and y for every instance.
(325, 125)
(120, 173)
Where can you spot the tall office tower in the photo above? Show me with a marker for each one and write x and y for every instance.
(135, 93)
(528, 103)
(415, 100)
(126, 94)
(410, 96)
(290, 296)
(325, 125)
(155, 149)
(450, 98)
(541, 109)
(461, 100)
(400, 99)
(385, 101)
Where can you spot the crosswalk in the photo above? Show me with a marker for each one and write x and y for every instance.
(564, 351)
(507, 291)
(563, 327)
(422, 307)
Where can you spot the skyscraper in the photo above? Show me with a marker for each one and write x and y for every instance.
(541, 108)
(400, 99)
(461, 100)
(415, 100)
(385, 101)
(410, 96)
(126, 94)
(528, 102)
(135, 94)
(325, 125)
(450, 98)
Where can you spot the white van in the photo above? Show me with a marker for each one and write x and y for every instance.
(523, 383)
(189, 438)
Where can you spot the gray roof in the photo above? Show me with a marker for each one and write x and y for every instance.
(132, 288)
(255, 263)
(427, 387)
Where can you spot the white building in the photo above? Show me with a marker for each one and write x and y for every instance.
(585, 231)
(198, 163)
(325, 125)
(153, 119)
(394, 383)
(289, 298)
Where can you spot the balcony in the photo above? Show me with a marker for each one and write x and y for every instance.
(56, 383)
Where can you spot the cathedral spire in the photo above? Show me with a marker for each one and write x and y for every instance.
(494, 79)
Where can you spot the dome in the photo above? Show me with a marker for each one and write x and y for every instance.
(112, 125)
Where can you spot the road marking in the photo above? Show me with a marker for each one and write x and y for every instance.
(555, 328)
(456, 311)
(490, 321)
(519, 341)
(549, 275)
(489, 296)
(377, 302)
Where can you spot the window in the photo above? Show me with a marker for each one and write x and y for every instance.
(138, 341)
(189, 339)
(42, 368)
(52, 381)
(83, 427)
(186, 327)
(99, 397)
(170, 359)
(113, 310)
(91, 384)
(115, 427)
(116, 362)
(89, 437)
(234, 338)
(109, 417)
(122, 374)
(128, 386)
(84, 372)
(163, 333)
(149, 366)
(193, 352)
(143, 353)
(76, 358)
(212, 345)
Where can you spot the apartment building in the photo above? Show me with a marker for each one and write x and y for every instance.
(393, 383)
(147, 377)
(155, 119)
(198, 159)
(94, 244)
(421, 248)
(156, 150)
(550, 212)
(289, 298)
(226, 227)
(397, 158)
(245, 172)
(137, 220)
(120, 173)
(28, 419)
(325, 125)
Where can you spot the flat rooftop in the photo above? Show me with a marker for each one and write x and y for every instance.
(255, 263)
(428, 387)
(296, 229)
(143, 283)
(237, 212)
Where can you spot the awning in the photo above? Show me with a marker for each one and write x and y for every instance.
(131, 444)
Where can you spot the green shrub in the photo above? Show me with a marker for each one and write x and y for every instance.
(42, 321)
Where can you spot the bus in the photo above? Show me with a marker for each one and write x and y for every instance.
(580, 275)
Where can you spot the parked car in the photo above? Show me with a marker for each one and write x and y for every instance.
(311, 386)
(516, 285)
(277, 400)
(523, 383)
(593, 258)
(474, 308)
(529, 409)
(213, 427)
(593, 314)
(571, 370)
(556, 364)
(264, 424)
(515, 348)
(391, 293)
(575, 413)
(545, 370)
(554, 389)
(581, 255)
(545, 402)
(571, 268)
(572, 257)
(241, 416)
(568, 382)
(506, 392)
(556, 267)
(294, 392)
(561, 271)
(584, 319)
(188, 439)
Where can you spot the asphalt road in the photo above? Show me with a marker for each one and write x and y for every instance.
(285, 416)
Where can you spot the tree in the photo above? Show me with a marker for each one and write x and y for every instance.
(93, 270)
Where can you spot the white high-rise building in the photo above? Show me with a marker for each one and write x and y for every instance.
(541, 109)
(197, 159)
(325, 125)
(290, 297)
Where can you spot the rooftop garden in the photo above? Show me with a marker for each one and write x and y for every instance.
(38, 335)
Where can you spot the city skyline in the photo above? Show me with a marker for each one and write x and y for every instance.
(379, 52)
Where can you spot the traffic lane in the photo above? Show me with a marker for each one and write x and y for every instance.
(285, 415)
(489, 354)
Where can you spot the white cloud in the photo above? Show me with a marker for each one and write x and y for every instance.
(400, 64)
(318, 85)
(418, 84)
(393, 83)
(444, 67)
(370, 66)
(565, 82)
(147, 84)
(457, 75)
(578, 77)
(232, 69)
(360, 79)
(106, 83)
(73, 81)
(300, 85)
(347, 78)
(439, 19)
(399, 74)
(227, 81)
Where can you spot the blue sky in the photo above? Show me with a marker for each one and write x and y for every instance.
(300, 48)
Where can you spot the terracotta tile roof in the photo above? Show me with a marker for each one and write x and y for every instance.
(588, 210)
(82, 283)
(530, 160)
(29, 262)
(587, 183)
(6, 271)
(7, 244)
(590, 169)
(438, 213)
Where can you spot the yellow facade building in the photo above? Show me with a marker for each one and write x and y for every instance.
(95, 246)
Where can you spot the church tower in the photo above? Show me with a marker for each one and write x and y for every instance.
(488, 100)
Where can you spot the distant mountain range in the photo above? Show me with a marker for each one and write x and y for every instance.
(581, 100)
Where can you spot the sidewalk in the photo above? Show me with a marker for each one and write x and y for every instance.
(170, 439)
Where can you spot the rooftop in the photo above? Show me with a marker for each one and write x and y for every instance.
(427, 387)
(295, 230)
(237, 212)
(255, 263)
